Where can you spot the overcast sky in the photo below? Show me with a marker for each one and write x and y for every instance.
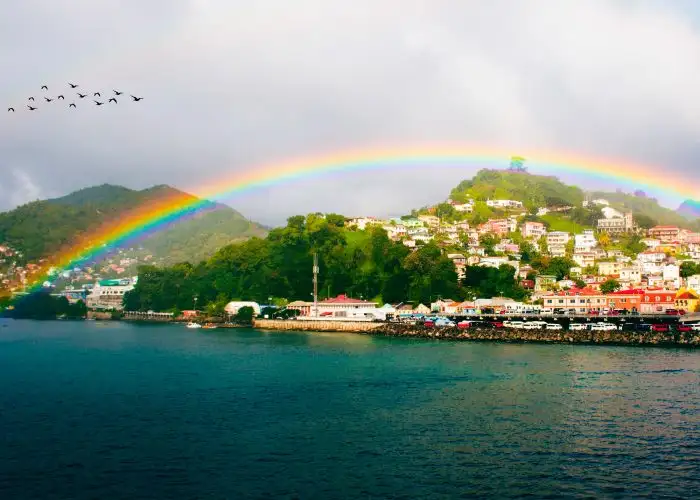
(230, 84)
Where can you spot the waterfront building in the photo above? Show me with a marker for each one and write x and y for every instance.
(109, 294)
(658, 301)
(687, 300)
(233, 307)
(628, 300)
(582, 300)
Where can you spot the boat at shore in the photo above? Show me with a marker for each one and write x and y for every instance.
(210, 326)
(193, 325)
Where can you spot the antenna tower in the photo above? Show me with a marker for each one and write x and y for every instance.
(315, 284)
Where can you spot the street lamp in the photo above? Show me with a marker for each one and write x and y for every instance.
(195, 303)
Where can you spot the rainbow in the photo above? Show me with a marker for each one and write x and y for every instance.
(156, 215)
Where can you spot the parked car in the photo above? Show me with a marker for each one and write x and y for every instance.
(534, 325)
(428, 323)
(593, 312)
(674, 312)
(444, 322)
(497, 324)
(695, 327)
(578, 326)
(603, 327)
(684, 328)
(554, 326)
(659, 328)
(513, 324)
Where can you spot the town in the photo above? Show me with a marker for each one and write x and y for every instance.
(617, 268)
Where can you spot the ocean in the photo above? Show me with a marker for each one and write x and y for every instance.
(114, 410)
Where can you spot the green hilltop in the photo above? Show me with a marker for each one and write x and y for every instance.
(540, 191)
(40, 227)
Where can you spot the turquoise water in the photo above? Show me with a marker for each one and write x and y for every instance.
(112, 410)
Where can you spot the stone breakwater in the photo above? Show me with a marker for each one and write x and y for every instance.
(540, 336)
(317, 326)
(686, 339)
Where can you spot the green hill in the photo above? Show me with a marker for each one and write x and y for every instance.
(533, 190)
(643, 208)
(39, 228)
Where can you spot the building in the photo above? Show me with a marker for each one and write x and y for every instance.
(556, 238)
(460, 262)
(232, 308)
(665, 233)
(511, 204)
(687, 300)
(584, 259)
(499, 227)
(617, 225)
(610, 268)
(582, 300)
(628, 300)
(533, 230)
(544, 282)
(109, 294)
(631, 275)
(361, 222)
(344, 307)
(585, 242)
(464, 207)
(658, 301)
(693, 282)
(429, 220)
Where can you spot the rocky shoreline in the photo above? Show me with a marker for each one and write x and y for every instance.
(674, 339)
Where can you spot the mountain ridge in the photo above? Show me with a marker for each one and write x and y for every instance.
(40, 227)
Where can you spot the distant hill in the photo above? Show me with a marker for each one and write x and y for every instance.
(538, 191)
(41, 227)
(533, 190)
(643, 206)
(689, 209)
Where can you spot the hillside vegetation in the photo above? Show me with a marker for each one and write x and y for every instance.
(533, 190)
(644, 206)
(39, 228)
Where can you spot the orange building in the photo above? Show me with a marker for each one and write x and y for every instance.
(657, 301)
(687, 300)
(629, 300)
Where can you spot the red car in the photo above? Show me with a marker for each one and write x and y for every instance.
(674, 312)
(429, 323)
(684, 328)
(659, 328)
(593, 312)
(497, 324)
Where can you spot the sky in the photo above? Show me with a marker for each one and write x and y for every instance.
(230, 85)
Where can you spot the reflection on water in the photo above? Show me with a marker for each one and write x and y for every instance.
(114, 410)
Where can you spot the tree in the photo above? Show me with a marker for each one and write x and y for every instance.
(245, 315)
(609, 286)
(559, 267)
(604, 240)
(444, 210)
(689, 268)
(580, 283)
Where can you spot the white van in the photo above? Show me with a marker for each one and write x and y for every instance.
(578, 326)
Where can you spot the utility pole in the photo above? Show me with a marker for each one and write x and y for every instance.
(315, 284)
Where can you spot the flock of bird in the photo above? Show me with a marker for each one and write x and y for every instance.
(74, 86)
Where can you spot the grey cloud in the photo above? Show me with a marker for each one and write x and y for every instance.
(229, 85)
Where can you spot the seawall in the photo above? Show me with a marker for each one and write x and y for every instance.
(317, 326)
(685, 339)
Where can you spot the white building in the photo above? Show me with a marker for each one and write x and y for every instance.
(584, 259)
(344, 307)
(464, 207)
(233, 307)
(361, 222)
(585, 242)
(558, 238)
(671, 274)
(533, 230)
(693, 282)
(109, 294)
(631, 275)
(504, 204)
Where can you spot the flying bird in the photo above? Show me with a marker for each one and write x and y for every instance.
(47, 99)
(118, 93)
(81, 95)
(30, 108)
(31, 98)
(136, 99)
(72, 105)
(72, 85)
(44, 87)
(10, 109)
(97, 94)
(61, 97)
(113, 100)
(99, 103)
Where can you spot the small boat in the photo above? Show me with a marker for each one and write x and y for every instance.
(209, 326)
(193, 325)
